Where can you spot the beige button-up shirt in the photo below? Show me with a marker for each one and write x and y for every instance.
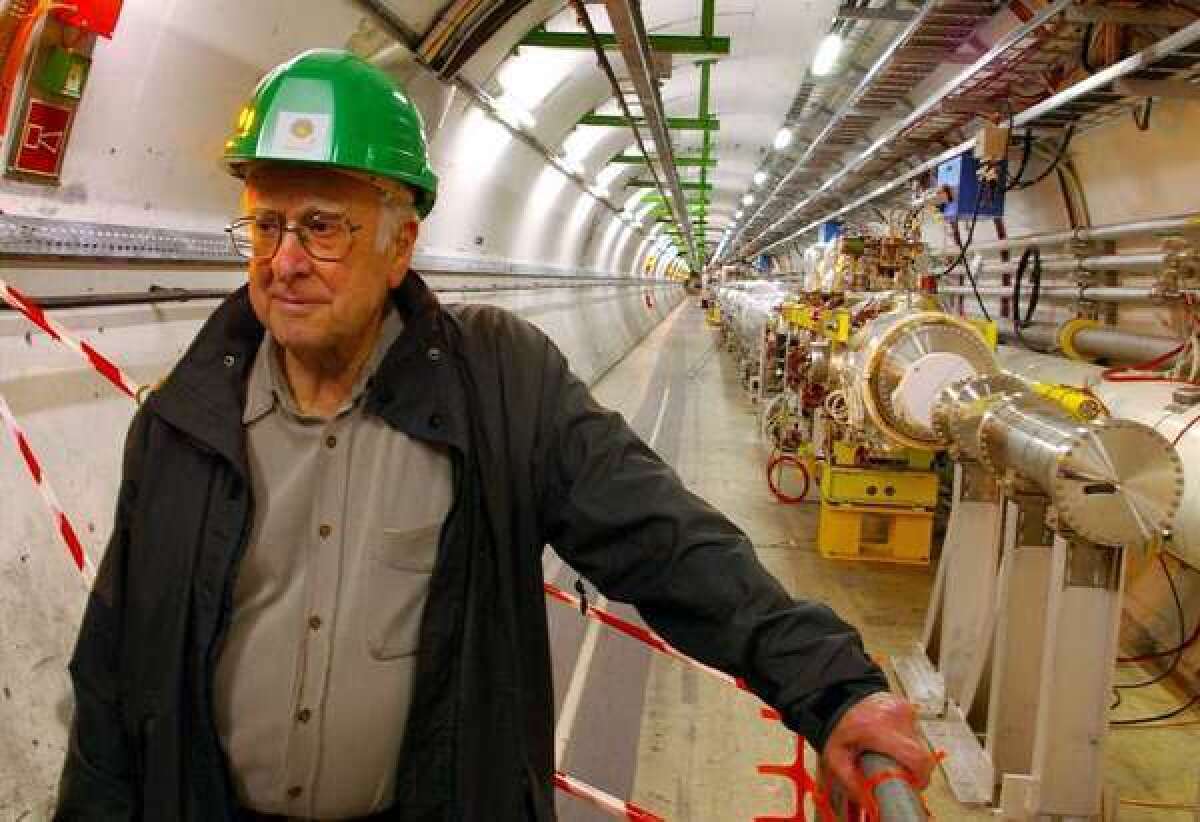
(315, 678)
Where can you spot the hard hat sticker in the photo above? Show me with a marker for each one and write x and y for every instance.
(300, 135)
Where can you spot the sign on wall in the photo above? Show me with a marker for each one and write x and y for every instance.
(41, 138)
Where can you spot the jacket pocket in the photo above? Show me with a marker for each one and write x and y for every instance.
(399, 573)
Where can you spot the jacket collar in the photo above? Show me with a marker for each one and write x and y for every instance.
(416, 392)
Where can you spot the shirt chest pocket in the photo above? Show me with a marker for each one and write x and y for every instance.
(397, 586)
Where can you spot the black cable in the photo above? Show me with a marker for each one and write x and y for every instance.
(1183, 634)
(1026, 153)
(1058, 156)
(963, 248)
(1032, 254)
(1143, 122)
(1086, 46)
(1171, 714)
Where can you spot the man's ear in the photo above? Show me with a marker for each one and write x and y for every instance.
(403, 243)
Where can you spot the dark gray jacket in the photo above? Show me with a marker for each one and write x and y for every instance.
(536, 461)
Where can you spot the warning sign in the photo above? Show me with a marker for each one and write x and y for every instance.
(42, 138)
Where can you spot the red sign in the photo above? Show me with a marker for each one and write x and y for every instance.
(96, 16)
(43, 138)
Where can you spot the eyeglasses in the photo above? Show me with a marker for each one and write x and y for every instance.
(326, 237)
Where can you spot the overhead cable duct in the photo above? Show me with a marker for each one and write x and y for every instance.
(921, 112)
(1164, 48)
(630, 31)
(846, 108)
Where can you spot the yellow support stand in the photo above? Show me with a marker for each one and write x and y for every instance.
(877, 514)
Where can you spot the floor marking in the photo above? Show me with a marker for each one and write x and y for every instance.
(662, 413)
(587, 650)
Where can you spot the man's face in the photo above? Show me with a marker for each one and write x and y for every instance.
(317, 307)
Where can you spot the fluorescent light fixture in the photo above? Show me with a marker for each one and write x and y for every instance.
(760, 177)
(783, 139)
(738, 214)
(827, 54)
(748, 199)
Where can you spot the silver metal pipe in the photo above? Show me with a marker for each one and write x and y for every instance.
(920, 112)
(1083, 265)
(1096, 294)
(1101, 232)
(1136, 62)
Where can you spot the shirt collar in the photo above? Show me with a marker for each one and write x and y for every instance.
(267, 385)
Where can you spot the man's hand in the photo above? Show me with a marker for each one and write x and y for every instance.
(884, 724)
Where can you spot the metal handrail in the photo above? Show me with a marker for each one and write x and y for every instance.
(896, 799)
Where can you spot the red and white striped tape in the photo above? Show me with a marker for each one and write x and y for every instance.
(642, 635)
(609, 804)
(62, 524)
(94, 358)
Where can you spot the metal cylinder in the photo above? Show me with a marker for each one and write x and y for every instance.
(888, 355)
(1115, 482)
(1101, 343)
(1100, 232)
(1098, 294)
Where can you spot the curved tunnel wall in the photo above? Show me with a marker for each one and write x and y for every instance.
(161, 99)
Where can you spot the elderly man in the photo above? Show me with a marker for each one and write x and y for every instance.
(323, 595)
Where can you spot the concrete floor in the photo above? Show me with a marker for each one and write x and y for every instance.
(686, 746)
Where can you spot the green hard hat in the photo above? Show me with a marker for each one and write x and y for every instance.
(330, 108)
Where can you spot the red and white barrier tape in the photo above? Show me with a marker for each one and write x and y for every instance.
(34, 313)
(62, 524)
(642, 635)
(609, 804)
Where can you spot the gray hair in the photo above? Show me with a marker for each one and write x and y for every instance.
(396, 210)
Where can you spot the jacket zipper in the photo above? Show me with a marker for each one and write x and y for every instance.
(218, 640)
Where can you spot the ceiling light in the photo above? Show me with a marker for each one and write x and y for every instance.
(739, 213)
(760, 177)
(827, 54)
(748, 199)
(783, 139)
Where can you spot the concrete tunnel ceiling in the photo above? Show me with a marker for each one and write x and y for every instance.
(771, 45)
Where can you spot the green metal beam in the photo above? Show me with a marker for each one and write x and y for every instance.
(670, 43)
(676, 123)
(680, 162)
(686, 185)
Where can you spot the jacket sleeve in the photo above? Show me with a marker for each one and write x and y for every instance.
(621, 517)
(97, 783)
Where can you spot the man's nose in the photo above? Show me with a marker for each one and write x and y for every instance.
(291, 260)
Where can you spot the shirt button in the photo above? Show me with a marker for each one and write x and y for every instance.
(434, 354)
(435, 421)
(229, 360)
(314, 623)
(295, 791)
(325, 531)
(304, 715)
(331, 441)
